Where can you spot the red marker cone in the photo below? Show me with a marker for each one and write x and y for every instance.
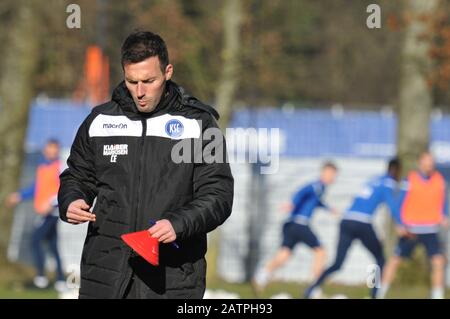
(144, 244)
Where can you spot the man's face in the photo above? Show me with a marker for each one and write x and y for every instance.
(328, 175)
(51, 151)
(426, 164)
(146, 82)
(395, 173)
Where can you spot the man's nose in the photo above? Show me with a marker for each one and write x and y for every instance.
(140, 90)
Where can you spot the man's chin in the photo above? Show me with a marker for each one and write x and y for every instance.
(145, 109)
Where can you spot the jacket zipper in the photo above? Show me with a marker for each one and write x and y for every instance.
(125, 283)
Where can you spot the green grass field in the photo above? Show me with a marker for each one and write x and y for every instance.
(19, 293)
(296, 290)
(13, 275)
(245, 291)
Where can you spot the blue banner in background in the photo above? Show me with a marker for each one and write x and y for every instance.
(312, 133)
(303, 132)
(58, 119)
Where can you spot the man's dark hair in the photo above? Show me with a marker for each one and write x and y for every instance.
(52, 141)
(142, 45)
(329, 164)
(394, 164)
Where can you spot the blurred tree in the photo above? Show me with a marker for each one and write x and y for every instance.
(356, 66)
(225, 92)
(440, 52)
(292, 51)
(20, 59)
(229, 79)
(62, 50)
(415, 101)
(415, 92)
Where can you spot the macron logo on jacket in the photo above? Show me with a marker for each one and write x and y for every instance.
(113, 125)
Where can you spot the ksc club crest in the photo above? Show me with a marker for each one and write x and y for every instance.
(174, 128)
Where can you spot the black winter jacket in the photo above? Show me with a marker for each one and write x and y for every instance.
(122, 158)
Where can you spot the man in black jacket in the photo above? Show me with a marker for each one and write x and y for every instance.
(127, 155)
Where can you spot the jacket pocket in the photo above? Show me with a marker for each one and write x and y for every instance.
(181, 277)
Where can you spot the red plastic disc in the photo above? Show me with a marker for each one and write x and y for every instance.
(143, 244)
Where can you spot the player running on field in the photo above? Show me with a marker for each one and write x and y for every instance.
(297, 230)
(357, 223)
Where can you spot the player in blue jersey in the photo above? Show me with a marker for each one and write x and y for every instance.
(296, 229)
(357, 222)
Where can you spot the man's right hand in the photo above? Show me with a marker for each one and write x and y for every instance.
(78, 212)
(402, 231)
(286, 207)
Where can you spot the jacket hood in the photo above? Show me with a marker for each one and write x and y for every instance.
(174, 97)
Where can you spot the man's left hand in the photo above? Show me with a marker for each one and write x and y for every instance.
(164, 231)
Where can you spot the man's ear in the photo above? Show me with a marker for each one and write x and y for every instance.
(169, 71)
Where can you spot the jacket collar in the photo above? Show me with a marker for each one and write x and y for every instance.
(123, 98)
